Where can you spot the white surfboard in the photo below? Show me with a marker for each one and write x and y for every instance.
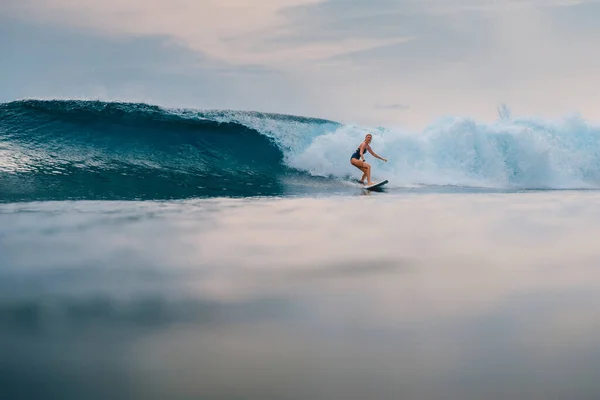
(376, 185)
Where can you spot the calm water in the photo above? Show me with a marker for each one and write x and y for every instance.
(388, 296)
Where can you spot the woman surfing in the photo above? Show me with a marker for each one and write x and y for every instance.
(358, 159)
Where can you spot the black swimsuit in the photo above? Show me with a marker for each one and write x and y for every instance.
(356, 154)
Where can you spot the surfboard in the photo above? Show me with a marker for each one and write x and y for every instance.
(376, 185)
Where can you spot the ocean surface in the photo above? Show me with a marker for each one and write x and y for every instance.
(153, 253)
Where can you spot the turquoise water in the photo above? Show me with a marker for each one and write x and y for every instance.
(406, 295)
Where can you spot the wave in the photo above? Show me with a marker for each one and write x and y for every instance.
(509, 154)
(71, 149)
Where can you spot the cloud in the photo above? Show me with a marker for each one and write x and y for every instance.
(465, 56)
(46, 61)
(392, 107)
(219, 29)
(339, 57)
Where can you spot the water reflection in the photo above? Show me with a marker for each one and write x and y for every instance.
(452, 297)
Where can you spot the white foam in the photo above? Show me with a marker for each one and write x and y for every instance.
(524, 153)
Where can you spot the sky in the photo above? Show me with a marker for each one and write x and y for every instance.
(378, 62)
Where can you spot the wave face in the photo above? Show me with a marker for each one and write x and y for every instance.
(69, 149)
(56, 150)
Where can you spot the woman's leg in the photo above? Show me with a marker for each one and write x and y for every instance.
(362, 179)
(368, 174)
(364, 167)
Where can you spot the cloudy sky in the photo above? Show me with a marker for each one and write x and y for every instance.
(382, 62)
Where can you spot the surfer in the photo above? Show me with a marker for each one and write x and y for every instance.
(358, 159)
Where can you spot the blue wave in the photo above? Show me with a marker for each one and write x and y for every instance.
(56, 150)
(70, 149)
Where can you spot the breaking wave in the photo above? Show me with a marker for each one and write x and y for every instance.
(71, 149)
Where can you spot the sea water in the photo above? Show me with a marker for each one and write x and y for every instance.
(141, 258)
